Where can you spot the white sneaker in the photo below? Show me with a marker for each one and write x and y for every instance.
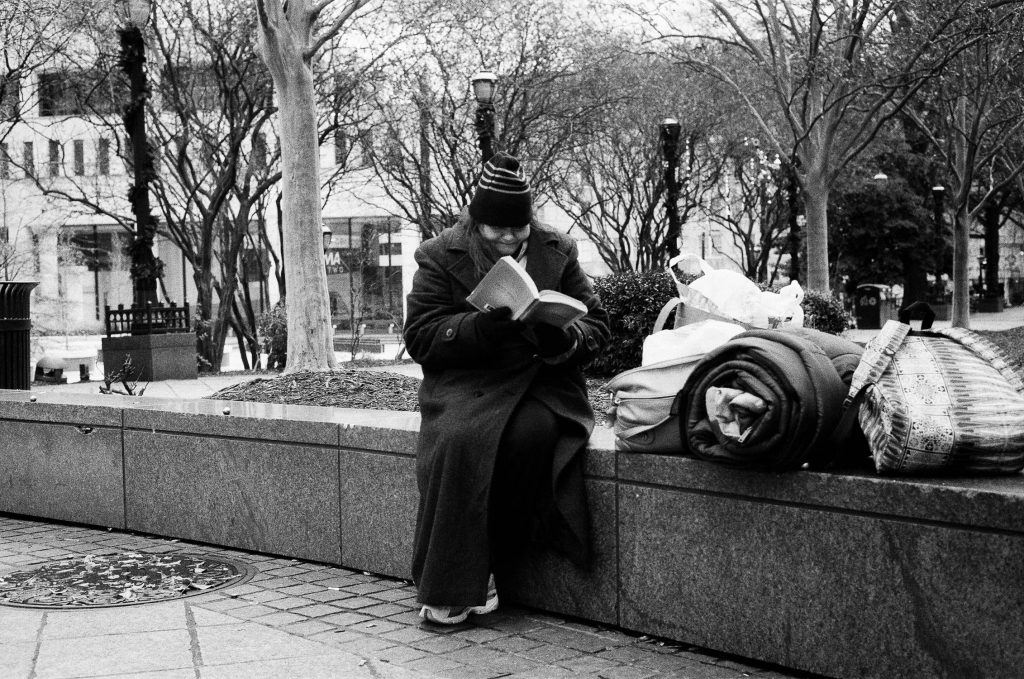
(445, 615)
(491, 604)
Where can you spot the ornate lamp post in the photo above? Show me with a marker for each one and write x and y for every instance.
(146, 268)
(669, 130)
(483, 90)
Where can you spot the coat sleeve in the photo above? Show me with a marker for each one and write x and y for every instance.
(591, 331)
(440, 332)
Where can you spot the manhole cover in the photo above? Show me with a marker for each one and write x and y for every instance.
(95, 581)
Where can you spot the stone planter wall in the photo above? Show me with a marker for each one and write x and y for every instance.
(854, 576)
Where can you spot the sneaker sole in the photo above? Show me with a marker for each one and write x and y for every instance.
(454, 620)
(489, 607)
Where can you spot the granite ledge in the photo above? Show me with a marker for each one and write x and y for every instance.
(995, 503)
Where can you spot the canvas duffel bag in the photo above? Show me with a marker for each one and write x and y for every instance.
(644, 410)
(939, 402)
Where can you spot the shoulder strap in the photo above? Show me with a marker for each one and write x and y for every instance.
(878, 354)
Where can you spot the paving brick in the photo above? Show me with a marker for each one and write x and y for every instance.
(279, 618)
(469, 672)
(299, 589)
(627, 672)
(588, 664)
(341, 580)
(431, 664)
(314, 611)
(251, 611)
(399, 654)
(366, 646)
(336, 637)
(439, 644)
(396, 594)
(513, 644)
(366, 588)
(287, 570)
(224, 605)
(383, 610)
(286, 603)
(481, 635)
(410, 617)
(549, 653)
(328, 595)
(406, 634)
(345, 618)
(308, 628)
(379, 627)
(357, 602)
(263, 596)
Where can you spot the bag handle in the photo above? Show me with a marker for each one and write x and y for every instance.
(878, 355)
(912, 310)
(659, 322)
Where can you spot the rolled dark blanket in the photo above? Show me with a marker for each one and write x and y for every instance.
(769, 399)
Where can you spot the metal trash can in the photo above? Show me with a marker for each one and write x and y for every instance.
(873, 305)
(15, 340)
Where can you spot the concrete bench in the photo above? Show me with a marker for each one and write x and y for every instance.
(848, 575)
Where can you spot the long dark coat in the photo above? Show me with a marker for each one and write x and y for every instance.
(470, 388)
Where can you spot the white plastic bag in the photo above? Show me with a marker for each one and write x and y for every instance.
(732, 295)
(690, 340)
(783, 307)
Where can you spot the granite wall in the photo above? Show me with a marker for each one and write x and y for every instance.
(854, 576)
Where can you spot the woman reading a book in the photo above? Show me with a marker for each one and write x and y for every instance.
(505, 413)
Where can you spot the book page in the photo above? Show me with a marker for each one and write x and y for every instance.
(556, 308)
(506, 284)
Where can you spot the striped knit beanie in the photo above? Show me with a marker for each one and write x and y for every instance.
(503, 195)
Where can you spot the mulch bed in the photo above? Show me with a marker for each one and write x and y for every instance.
(348, 388)
(376, 388)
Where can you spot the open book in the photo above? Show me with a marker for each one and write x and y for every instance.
(508, 284)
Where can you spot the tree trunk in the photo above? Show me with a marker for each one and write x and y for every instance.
(990, 221)
(961, 317)
(285, 36)
(816, 232)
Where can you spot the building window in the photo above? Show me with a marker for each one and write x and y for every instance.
(103, 157)
(341, 148)
(5, 162)
(63, 93)
(10, 97)
(29, 160)
(57, 95)
(79, 152)
(55, 158)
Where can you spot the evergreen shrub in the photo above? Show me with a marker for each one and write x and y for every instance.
(272, 327)
(824, 312)
(632, 300)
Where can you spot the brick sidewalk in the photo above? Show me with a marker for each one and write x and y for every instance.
(300, 619)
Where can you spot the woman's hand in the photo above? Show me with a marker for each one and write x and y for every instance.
(497, 325)
(552, 340)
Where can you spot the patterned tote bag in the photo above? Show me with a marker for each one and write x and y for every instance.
(942, 402)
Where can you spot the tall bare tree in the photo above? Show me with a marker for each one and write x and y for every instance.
(974, 117)
(289, 40)
(836, 72)
(544, 55)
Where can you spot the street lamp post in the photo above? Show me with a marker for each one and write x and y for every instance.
(146, 268)
(483, 90)
(669, 130)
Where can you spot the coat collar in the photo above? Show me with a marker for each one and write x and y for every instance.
(544, 262)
